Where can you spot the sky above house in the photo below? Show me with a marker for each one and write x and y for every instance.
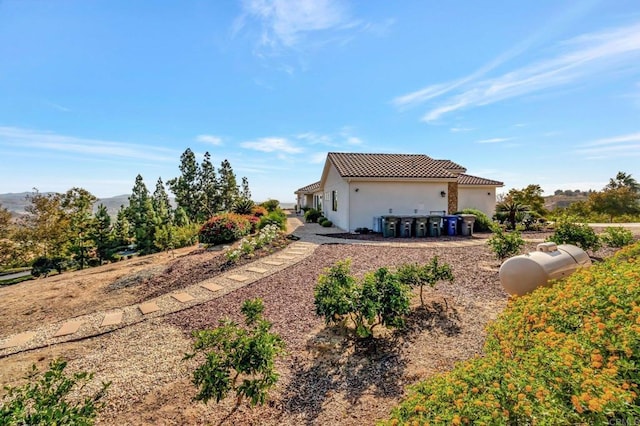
(93, 93)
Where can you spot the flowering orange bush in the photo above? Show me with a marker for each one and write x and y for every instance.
(566, 354)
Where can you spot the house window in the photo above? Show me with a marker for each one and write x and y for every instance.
(334, 201)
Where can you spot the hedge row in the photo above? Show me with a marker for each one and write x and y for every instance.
(567, 354)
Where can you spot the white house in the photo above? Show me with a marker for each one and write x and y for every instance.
(356, 188)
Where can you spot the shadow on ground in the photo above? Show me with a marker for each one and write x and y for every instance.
(348, 368)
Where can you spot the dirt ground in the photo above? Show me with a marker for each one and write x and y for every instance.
(71, 294)
(325, 377)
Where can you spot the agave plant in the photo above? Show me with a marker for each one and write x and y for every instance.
(243, 206)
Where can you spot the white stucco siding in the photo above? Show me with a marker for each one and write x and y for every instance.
(335, 182)
(482, 198)
(374, 199)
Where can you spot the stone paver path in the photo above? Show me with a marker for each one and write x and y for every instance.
(99, 322)
(183, 297)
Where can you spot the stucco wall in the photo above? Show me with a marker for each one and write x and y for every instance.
(477, 197)
(334, 182)
(373, 199)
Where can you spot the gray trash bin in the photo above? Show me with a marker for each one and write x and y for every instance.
(406, 227)
(390, 226)
(422, 226)
(434, 225)
(466, 227)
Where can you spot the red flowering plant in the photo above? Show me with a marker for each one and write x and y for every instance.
(225, 228)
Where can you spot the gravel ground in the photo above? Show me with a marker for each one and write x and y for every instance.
(326, 378)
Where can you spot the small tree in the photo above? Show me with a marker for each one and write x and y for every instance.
(45, 400)
(379, 299)
(429, 274)
(505, 244)
(234, 353)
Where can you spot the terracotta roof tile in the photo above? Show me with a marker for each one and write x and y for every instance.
(450, 165)
(309, 188)
(388, 165)
(475, 180)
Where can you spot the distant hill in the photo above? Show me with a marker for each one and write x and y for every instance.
(16, 202)
(553, 202)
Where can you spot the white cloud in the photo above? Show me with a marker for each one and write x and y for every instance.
(612, 147)
(633, 137)
(286, 22)
(210, 139)
(280, 145)
(19, 137)
(494, 140)
(580, 58)
(352, 140)
(460, 129)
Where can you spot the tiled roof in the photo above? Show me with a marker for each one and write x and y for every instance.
(474, 180)
(388, 166)
(309, 188)
(450, 165)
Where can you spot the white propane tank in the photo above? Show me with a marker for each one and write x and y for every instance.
(522, 274)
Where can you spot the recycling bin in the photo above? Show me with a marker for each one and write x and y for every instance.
(406, 227)
(434, 225)
(466, 224)
(390, 226)
(522, 274)
(450, 224)
(422, 226)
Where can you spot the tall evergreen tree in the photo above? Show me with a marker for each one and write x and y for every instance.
(246, 192)
(141, 216)
(186, 186)
(161, 204)
(102, 233)
(121, 233)
(78, 204)
(210, 189)
(229, 192)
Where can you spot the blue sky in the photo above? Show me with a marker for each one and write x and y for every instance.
(94, 92)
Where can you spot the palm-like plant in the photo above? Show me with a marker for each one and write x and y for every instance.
(511, 208)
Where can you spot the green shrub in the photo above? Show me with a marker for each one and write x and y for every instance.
(321, 219)
(616, 236)
(430, 274)
(312, 215)
(483, 222)
(505, 244)
(578, 234)
(566, 354)
(45, 399)
(379, 299)
(326, 223)
(271, 205)
(44, 265)
(233, 353)
(224, 228)
(276, 217)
